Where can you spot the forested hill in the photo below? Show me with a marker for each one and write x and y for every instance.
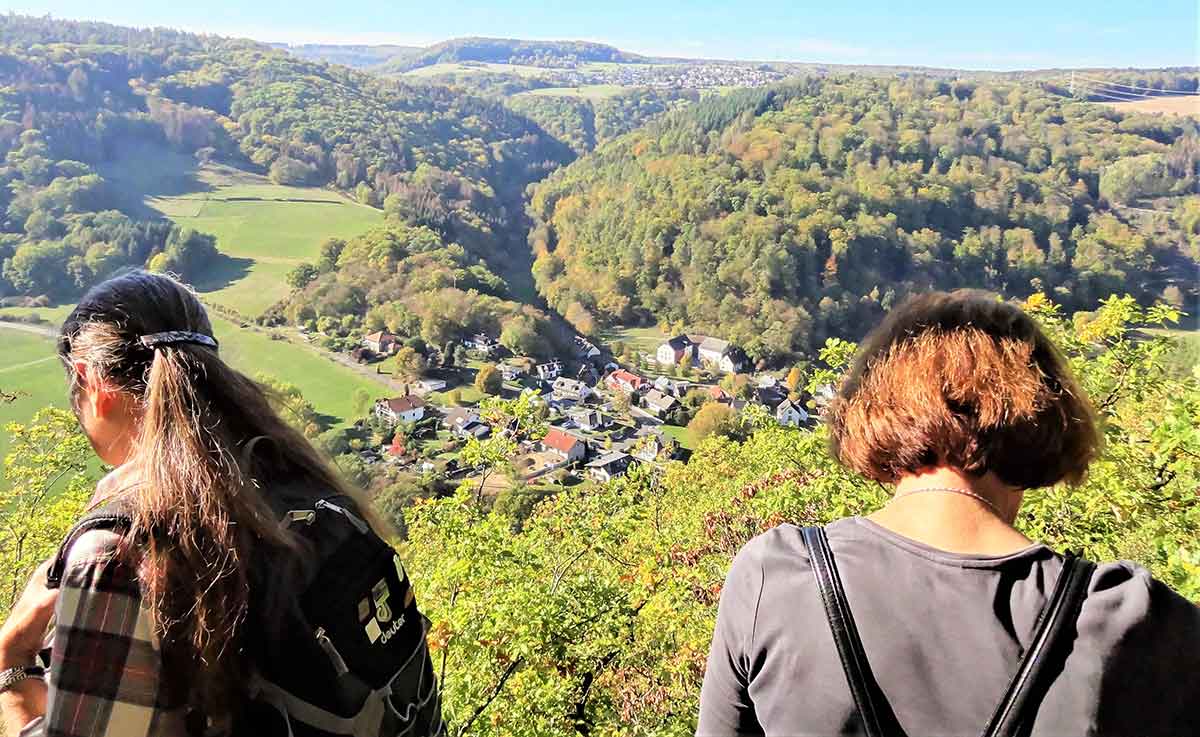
(511, 51)
(71, 94)
(358, 56)
(781, 217)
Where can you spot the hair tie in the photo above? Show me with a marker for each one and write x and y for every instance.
(176, 337)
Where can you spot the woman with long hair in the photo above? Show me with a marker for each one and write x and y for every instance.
(164, 625)
(935, 615)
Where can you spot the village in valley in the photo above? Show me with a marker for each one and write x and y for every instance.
(472, 406)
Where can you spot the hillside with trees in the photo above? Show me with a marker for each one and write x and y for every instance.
(785, 216)
(558, 54)
(408, 281)
(73, 93)
(584, 123)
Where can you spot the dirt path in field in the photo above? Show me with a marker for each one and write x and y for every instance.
(29, 328)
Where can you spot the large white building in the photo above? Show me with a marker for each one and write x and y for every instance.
(400, 409)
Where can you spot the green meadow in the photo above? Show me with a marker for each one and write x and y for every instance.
(263, 230)
(328, 385)
(590, 91)
(29, 369)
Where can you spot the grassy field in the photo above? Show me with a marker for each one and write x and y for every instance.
(1167, 104)
(328, 386)
(477, 68)
(647, 340)
(28, 367)
(681, 435)
(589, 92)
(263, 230)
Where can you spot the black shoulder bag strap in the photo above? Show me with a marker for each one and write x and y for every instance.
(1054, 620)
(113, 516)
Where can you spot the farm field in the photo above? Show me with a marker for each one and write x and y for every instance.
(28, 368)
(477, 67)
(518, 69)
(589, 92)
(1168, 104)
(329, 386)
(263, 230)
(645, 339)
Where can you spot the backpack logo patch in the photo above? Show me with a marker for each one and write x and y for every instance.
(377, 627)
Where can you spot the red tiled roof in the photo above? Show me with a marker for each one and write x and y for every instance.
(626, 377)
(404, 404)
(559, 440)
(380, 336)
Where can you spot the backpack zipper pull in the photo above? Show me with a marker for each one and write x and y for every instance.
(339, 664)
(359, 525)
(304, 516)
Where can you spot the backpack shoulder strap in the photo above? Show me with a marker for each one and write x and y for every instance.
(114, 515)
(1054, 625)
(867, 695)
(1024, 689)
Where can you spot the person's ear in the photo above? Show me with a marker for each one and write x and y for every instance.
(97, 392)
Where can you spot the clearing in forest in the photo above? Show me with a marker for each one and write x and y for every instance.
(263, 229)
(1168, 104)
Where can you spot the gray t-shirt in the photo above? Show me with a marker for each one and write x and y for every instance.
(943, 633)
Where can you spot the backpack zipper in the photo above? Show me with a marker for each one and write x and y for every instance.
(359, 525)
(339, 663)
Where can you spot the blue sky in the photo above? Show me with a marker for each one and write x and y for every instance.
(995, 34)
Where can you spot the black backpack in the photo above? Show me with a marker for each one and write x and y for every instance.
(349, 656)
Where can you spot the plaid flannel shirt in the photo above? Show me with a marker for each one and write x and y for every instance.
(105, 675)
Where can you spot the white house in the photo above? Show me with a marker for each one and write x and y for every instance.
(482, 342)
(576, 391)
(585, 348)
(455, 418)
(550, 370)
(564, 444)
(671, 387)
(657, 403)
(511, 371)
(722, 354)
(791, 414)
(425, 386)
(400, 409)
(588, 419)
(675, 349)
(608, 467)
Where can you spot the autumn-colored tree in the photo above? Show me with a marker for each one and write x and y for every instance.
(713, 418)
(580, 318)
(409, 365)
(794, 377)
(488, 379)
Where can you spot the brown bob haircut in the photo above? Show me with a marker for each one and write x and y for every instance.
(965, 381)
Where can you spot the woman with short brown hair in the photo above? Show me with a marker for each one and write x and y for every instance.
(914, 619)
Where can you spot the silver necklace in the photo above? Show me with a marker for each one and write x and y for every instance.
(955, 490)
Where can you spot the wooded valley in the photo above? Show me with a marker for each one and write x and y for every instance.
(514, 231)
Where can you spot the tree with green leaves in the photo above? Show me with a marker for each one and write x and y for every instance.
(46, 489)
(488, 379)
